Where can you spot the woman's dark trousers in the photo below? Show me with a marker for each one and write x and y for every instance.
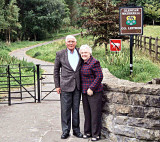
(92, 106)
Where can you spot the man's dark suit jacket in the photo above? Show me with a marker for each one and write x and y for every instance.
(69, 79)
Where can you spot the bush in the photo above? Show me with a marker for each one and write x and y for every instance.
(4, 47)
(37, 54)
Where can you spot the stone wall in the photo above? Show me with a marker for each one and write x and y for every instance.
(131, 111)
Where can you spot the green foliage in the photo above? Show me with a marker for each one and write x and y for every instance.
(37, 54)
(4, 47)
(11, 19)
(2, 19)
(9, 24)
(153, 11)
(74, 11)
(64, 32)
(42, 17)
(139, 2)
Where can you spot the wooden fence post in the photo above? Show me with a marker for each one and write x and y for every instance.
(144, 44)
(150, 45)
(138, 42)
(141, 42)
(135, 41)
(156, 48)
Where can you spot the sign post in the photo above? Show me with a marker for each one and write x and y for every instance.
(131, 23)
(131, 54)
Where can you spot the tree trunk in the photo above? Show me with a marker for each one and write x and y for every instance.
(106, 50)
(6, 34)
(153, 22)
(9, 36)
(35, 38)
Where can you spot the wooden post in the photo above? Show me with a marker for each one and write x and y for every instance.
(141, 42)
(131, 54)
(135, 40)
(138, 41)
(150, 45)
(144, 43)
(156, 48)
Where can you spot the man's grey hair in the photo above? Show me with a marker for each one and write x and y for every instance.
(70, 36)
(85, 46)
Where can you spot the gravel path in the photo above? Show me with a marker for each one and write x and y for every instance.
(34, 122)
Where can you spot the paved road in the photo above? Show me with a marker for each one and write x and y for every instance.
(34, 122)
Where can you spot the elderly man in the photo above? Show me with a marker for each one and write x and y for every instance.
(68, 86)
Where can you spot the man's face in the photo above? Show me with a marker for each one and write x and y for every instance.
(85, 54)
(71, 43)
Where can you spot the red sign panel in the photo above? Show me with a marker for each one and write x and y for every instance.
(131, 20)
(115, 44)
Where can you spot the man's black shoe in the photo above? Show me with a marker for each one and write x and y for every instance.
(78, 135)
(64, 135)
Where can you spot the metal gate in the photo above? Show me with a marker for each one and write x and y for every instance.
(45, 83)
(13, 84)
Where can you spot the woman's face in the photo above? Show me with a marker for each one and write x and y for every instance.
(85, 54)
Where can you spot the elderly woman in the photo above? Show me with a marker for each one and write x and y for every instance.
(92, 89)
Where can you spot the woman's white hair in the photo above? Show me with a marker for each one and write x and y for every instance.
(85, 46)
(70, 36)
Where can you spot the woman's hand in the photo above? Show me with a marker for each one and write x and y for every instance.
(89, 92)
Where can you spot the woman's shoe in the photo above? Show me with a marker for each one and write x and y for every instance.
(95, 139)
(86, 136)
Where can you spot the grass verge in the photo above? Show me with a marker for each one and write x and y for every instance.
(117, 63)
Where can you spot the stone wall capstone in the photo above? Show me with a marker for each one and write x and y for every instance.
(131, 111)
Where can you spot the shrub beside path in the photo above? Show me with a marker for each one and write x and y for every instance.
(34, 122)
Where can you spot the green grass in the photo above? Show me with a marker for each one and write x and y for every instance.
(64, 32)
(46, 52)
(117, 63)
(153, 31)
(22, 44)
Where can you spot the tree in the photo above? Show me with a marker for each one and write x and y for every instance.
(71, 5)
(102, 20)
(2, 19)
(152, 11)
(40, 17)
(74, 10)
(3, 23)
(11, 15)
